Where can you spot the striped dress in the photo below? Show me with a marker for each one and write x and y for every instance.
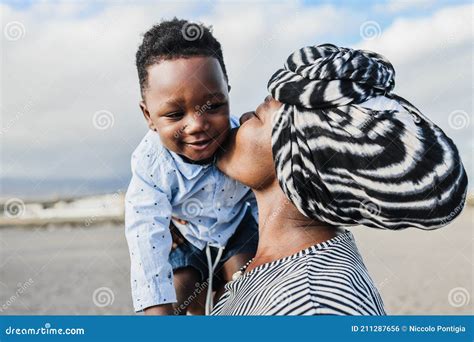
(329, 278)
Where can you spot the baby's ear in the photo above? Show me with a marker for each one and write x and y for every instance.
(146, 114)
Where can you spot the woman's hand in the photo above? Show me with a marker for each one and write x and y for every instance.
(176, 236)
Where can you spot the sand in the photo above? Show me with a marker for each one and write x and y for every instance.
(57, 270)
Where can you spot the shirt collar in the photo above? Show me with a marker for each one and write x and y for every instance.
(188, 170)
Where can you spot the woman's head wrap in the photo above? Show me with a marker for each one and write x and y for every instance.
(343, 162)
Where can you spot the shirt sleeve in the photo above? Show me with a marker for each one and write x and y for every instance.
(147, 218)
(234, 122)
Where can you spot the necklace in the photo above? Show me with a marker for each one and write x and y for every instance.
(240, 272)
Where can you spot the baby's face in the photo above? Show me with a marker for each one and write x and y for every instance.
(187, 103)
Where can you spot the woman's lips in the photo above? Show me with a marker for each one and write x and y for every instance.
(246, 116)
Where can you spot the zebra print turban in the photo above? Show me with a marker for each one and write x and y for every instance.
(341, 162)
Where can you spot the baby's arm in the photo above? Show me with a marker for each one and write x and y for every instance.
(147, 219)
(160, 310)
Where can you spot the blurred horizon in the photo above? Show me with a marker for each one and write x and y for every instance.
(70, 121)
(69, 99)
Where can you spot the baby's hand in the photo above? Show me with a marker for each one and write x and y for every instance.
(176, 236)
(180, 221)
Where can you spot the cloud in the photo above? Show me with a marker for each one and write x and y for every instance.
(257, 40)
(64, 69)
(73, 60)
(395, 6)
(411, 39)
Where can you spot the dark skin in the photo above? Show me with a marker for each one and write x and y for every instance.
(283, 230)
(186, 101)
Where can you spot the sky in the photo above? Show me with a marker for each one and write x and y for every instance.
(69, 88)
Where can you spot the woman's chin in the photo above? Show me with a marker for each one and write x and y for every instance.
(223, 163)
(225, 157)
(229, 165)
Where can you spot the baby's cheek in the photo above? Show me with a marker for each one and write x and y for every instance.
(170, 137)
(220, 123)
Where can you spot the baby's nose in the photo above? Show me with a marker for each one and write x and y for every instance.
(197, 124)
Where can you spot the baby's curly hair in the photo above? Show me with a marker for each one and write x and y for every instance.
(176, 38)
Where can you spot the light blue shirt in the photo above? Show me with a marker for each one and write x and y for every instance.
(163, 185)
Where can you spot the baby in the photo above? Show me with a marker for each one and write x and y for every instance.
(185, 101)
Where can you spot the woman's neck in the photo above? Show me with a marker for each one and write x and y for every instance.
(283, 230)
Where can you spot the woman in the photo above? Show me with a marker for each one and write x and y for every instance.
(332, 147)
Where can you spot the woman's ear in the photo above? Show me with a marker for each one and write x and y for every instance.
(229, 88)
(146, 114)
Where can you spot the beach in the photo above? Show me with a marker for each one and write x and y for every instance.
(84, 270)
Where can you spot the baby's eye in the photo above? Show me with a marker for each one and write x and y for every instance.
(215, 106)
(175, 115)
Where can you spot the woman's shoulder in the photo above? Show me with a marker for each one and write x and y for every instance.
(338, 258)
(339, 282)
